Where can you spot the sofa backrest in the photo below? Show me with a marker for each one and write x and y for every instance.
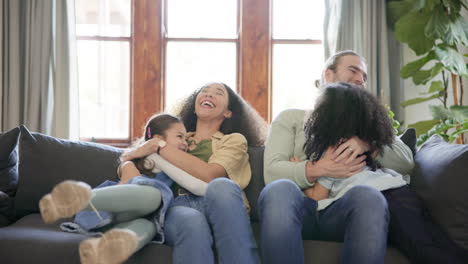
(256, 182)
(45, 161)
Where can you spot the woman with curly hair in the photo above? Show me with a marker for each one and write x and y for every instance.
(221, 126)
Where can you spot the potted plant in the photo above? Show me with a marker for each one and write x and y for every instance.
(435, 30)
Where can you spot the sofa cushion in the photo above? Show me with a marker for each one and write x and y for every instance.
(8, 174)
(256, 183)
(440, 177)
(8, 161)
(47, 243)
(46, 161)
(409, 138)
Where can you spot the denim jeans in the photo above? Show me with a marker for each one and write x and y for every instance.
(359, 219)
(193, 223)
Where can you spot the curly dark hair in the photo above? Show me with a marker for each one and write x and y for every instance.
(343, 111)
(245, 119)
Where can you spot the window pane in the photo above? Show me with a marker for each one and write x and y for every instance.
(190, 65)
(103, 18)
(202, 18)
(103, 75)
(298, 19)
(295, 69)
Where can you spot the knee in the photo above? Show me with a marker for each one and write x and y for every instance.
(280, 203)
(222, 191)
(280, 194)
(184, 223)
(368, 202)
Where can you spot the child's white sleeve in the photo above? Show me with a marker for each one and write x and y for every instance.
(326, 182)
(187, 181)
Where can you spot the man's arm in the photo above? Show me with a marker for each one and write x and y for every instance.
(279, 148)
(398, 157)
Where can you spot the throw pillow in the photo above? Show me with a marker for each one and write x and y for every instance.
(440, 177)
(46, 161)
(8, 161)
(409, 138)
(8, 174)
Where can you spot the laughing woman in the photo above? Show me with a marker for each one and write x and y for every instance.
(222, 125)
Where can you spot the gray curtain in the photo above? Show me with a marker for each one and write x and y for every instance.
(361, 25)
(38, 62)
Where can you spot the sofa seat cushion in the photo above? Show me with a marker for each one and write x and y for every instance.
(440, 177)
(329, 252)
(30, 239)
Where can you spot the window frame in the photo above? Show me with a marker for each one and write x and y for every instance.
(148, 49)
(117, 142)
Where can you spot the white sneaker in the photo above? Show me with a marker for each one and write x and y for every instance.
(66, 199)
(115, 246)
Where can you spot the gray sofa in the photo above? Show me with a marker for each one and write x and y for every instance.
(45, 161)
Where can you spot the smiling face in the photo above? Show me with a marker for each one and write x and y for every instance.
(212, 102)
(175, 136)
(350, 69)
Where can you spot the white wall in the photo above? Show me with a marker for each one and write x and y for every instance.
(421, 111)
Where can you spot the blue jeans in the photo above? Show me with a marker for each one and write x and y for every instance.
(193, 223)
(359, 219)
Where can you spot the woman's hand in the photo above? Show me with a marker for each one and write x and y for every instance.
(147, 148)
(349, 150)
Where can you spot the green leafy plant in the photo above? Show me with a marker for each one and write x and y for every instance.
(434, 30)
(395, 123)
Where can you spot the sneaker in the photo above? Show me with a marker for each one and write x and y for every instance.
(88, 251)
(66, 199)
(115, 246)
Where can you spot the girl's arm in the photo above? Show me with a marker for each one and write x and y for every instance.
(126, 171)
(317, 192)
(192, 184)
(180, 159)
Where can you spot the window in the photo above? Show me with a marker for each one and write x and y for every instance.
(141, 57)
(297, 53)
(103, 46)
(201, 45)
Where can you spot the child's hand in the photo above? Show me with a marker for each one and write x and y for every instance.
(309, 192)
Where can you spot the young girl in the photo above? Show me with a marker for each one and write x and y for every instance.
(127, 206)
(346, 111)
